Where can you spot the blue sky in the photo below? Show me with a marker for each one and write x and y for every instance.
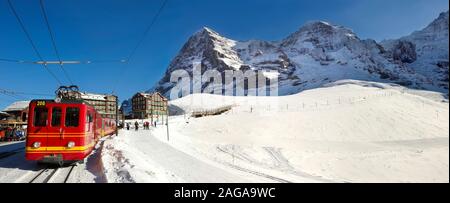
(109, 29)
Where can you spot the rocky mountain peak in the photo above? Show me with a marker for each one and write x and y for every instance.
(323, 28)
(426, 50)
(321, 34)
(206, 32)
(440, 24)
(319, 53)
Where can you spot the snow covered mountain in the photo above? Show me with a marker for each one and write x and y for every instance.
(320, 53)
(425, 51)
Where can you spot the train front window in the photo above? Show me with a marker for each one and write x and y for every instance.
(56, 116)
(40, 117)
(72, 117)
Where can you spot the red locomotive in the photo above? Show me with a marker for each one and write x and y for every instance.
(64, 131)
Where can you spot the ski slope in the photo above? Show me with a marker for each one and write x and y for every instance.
(137, 156)
(349, 131)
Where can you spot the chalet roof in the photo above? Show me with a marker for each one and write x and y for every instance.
(17, 106)
(148, 95)
(4, 113)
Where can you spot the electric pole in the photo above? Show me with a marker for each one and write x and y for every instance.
(167, 121)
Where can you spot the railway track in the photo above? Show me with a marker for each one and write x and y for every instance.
(53, 175)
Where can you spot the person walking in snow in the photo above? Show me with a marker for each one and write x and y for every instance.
(136, 126)
(128, 126)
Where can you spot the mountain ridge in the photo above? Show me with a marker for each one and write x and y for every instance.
(320, 53)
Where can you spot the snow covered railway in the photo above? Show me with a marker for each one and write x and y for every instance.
(52, 175)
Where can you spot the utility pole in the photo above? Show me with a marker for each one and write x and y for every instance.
(167, 122)
(117, 115)
(123, 119)
(151, 113)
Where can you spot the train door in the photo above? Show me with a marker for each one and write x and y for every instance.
(72, 120)
(103, 128)
(38, 131)
(55, 128)
(90, 135)
(96, 133)
(97, 126)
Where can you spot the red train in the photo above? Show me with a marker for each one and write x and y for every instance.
(64, 132)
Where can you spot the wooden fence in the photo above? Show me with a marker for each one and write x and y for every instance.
(211, 112)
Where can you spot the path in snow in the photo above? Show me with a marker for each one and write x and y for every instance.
(138, 149)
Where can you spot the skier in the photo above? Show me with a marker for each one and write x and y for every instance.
(128, 126)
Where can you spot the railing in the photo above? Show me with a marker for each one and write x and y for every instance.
(211, 112)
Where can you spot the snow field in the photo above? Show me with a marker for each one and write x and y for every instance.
(357, 132)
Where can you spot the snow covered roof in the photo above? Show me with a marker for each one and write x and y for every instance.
(91, 96)
(4, 113)
(148, 95)
(17, 106)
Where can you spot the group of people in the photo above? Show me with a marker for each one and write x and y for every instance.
(146, 125)
(12, 134)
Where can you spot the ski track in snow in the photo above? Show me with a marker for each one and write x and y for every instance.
(165, 160)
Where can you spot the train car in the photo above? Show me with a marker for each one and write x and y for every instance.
(64, 131)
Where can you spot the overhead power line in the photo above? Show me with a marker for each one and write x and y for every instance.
(19, 20)
(22, 95)
(50, 32)
(10, 96)
(133, 52)
(4, 91)
(60, 62)
(11, 60)
(13, 95)
(147, 30)
(6, 100)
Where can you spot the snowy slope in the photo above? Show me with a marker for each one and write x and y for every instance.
(428, 52)
(320, 53)
(348, 131)
(137, 156)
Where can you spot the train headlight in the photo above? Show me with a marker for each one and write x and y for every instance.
(36, 145)
(71, 144)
